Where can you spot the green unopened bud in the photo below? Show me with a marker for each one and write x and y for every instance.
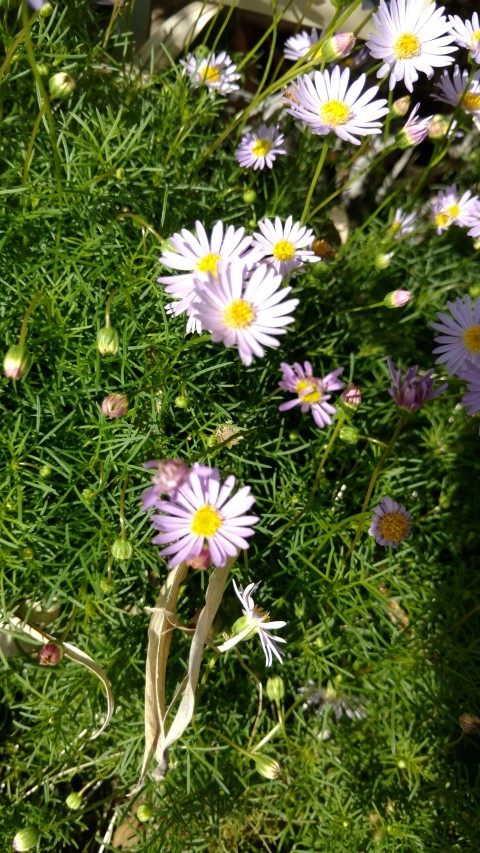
(74, 801)
(182, 402)
(106, 586)
(43, 69)
(240, 625)
(46, 10)
(275, 688)
(28, 553)
(119, 173)
(61, 85)
(26, 839)
(267, 767)
(382, 260)
(122, 549)
(108, 341)
(397, 298)
(144, 813)
(348, 434)
(45, 472)
(249, 196)
(401, 106)
(350, 400)
(17, 362)
(88, 495)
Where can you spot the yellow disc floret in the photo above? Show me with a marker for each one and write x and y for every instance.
(471, 101)
(239, 314)
(334, 113)
(471, 339)
(284, 250)
(308, 391)
(206, 521)
(393, 526)
(211, 74)
(443, 220)
(407, 46)
(453, 211)
(208, 263)
(261, 147)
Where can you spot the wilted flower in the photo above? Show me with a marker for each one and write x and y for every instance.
(322, 698)
(327, 104)
(50, 655)
(228, 433)
(411, 392)
(115, 406)
(459, 339)
(311, 392)
(283, 246)
(203, 561)
(259, 622)
(169, 475)
(260, 149)
(391, 523)
(410, 39)
(469, 723)
(453, 90)
(203, 514)
(217, 72)
(17, 362)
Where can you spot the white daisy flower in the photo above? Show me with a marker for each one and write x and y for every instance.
(257, 150)
(326, 104)
(453, 90)
(259, 622)
(246, 312)
(410, 39)
(216, 71)
(451, 209)
(198, 254)
(283, 246)
(403, 224)
(467, 33)
(311, 45)
(459, 339)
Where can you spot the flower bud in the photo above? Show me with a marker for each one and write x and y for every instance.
(61, 85)
(275, 688)
(203, 560)
(382, 260)
(267, 767)
(122, 549)
(119, 173)
(17, 362)
(439, 126)
(338, 46)
(249, 196)
(469, 723)
(26, 838)
(350, 399)
(401, 106)
(144, 812)
(88, 495)
(397, 298)
(115, 406)
(348, 434)
(28, 553)
(182, 402)
(74, 801)
(43, 69)
(50, 655)
(108, 341)
(46, 10)
(45, 471)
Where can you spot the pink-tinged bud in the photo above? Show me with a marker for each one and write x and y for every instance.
(382, 260)
(115, 406)
(338, 46)
(26, 839)
(169, 476)
(61, 85)
(469, 723)
(401, 106)
(17, 362)
(397, 298)
(203, 560)
(439, 126)
(50, 655)
(350, 399)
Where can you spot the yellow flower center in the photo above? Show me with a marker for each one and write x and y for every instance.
(211, 74)
(394, 227)
(471, 101)
(407, 46)
(208, 263)
(453, 211)
(239, 314)
(284, 250)
(474, 38)
(308, 391)
(443, 220)
(394, 526)
(335, 112)
(471, 339)
(261, 147)
(206, 521)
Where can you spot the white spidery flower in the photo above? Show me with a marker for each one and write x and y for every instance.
(260, 623)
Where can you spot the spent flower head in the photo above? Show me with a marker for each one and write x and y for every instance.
(259, 622)
(410, 39)
(311, 392)
(260, 149)
(283, 245)
(169, 475)
(204, 513)
(412, 391)
(459, 339)
(216, 71)
(391, 523)
(245, 310)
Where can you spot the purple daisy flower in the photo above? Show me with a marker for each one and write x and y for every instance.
(471, 374)
(403, 224)
(411, 392)
(203, 513)
(391, 523)
(286, 246)
(311, 392)
(459, 341)
(257, 150)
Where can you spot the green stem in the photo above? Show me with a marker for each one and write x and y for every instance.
(373, 480)
(109, 302)
(374, 162)
(33, 304)
(314, 182)
(123, 533)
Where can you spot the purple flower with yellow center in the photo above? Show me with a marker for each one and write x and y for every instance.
(284, 246)
(453, 90)
(246, 311)
(471, 374)
(410, 39)
(327, 104)
(169, 475)
(216, 71)
(203, 513)
(451, 209)
(459, 339)
(403, 224)
(467, 34)
(411, 392)
(257, 150)
(391, 523)
(311, 392)
(259, 621)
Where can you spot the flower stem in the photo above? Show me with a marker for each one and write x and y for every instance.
(314, 182)
(33, 304)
